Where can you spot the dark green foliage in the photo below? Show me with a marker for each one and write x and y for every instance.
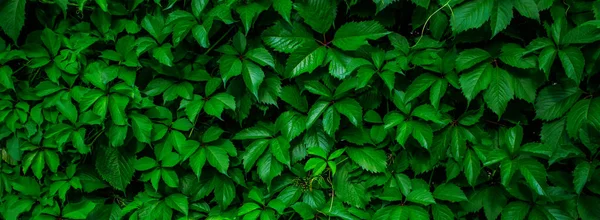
(299, 109)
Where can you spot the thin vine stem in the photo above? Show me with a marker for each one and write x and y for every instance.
(429, 18)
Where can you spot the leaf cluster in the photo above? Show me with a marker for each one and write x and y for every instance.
(299, 109)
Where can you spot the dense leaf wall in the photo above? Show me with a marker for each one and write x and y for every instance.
(281, 109)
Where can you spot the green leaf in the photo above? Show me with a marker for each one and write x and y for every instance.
(305, 60)
(340, 65)
(472, 14)
(513, 137)
(280, 148)
(6, 77)
(211, 134)
(351, 109)
(449, 192)
(156, 27)
(305, 211)
(253, 152)
(261, 56)
(507, 170)
(546, 59)
(248, 14)
(331, 121)
(555, 100)
(284, 8)
(368, 158)
(253, 76)
(587, 207)
(252, 133)
(348, 38)
(198, 6)
(290, 124)
(116, 106)
(216, 104)
(534, 173)
(287, 38)
(573, 62)
(582, 174)
(318, 14)
(502, 14)
(493, 202)
(163, 54)
(229, 66)
(477, 80)
(583, 34)
(78, 210)
(440, 212)
(115, 166)
(515, 210)
(145, 163)
(527, 8)
(422, 133)
(141, 126)
(218, 158)
(292, 96)
(471, 167)
(421, 196)
(247, 208)
(419, 85)
(469, 58)
(392, 213)
(13, 14)
(268, 168)
(584, 111)
(178, 202)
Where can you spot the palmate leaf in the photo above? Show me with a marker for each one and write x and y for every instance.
(584, 111)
